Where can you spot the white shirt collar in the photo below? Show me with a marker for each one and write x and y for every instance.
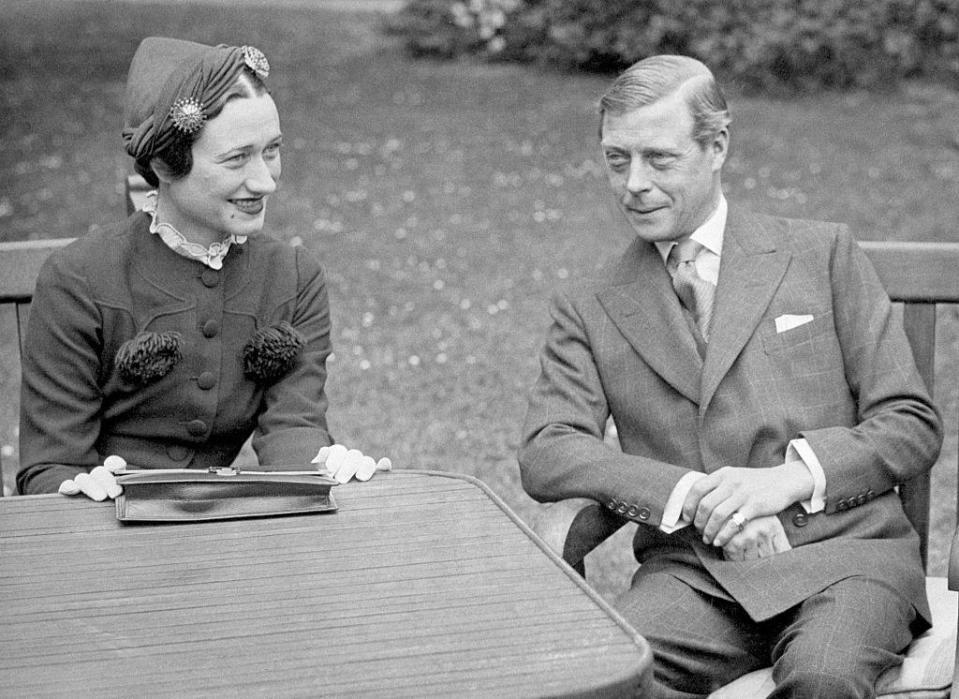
(709, 235)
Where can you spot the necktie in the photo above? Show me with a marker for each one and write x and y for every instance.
(694, 292)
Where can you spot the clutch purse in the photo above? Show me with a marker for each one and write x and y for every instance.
(190, 495)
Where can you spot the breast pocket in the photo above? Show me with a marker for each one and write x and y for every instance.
(807, 353)
(809, 338)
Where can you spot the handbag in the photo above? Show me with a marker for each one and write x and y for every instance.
(190, 495)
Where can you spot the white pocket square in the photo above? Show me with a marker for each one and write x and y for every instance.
(788, 322)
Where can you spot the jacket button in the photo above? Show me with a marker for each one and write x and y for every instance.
(800, 519)
(177, 452)
(621, 508)
(842, 505)
(206, 381)
(196, 427)
(611, 505)
(862, 499)
(211, 328)
(632, 511)
(643, 514)
(210, 278)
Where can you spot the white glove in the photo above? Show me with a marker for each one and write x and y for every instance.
(343, 464)
(100, 483)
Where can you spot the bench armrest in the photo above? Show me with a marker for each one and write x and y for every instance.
(573, 528)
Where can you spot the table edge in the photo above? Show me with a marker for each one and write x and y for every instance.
(629, 683)
(501, 504)
(552, 555)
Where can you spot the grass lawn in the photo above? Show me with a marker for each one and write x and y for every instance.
(446, 201)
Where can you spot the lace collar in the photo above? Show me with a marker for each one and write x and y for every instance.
(212, 256)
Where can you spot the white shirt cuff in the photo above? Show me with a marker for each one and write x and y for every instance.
(673, 513)
(799, 450)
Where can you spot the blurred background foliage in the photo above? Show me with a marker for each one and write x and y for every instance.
(758, 44)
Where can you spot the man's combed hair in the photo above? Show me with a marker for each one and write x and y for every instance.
(656, 77)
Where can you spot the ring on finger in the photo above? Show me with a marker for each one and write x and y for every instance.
(739, 520)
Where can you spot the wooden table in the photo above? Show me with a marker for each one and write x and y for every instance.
(421, 584)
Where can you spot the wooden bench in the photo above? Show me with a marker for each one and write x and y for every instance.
(19, 265)
(920, 276)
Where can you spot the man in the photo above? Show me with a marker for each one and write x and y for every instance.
(766, 405)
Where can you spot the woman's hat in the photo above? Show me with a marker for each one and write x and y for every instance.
(173, 83)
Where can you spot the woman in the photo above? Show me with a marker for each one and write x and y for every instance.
(170, 338)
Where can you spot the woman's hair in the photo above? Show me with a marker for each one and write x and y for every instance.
(656, 77)
(178, 156)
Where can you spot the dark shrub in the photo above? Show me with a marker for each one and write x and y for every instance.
(797, 44)
(500, 29)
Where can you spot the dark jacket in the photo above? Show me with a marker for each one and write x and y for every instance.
(134, 350)
(845, 381)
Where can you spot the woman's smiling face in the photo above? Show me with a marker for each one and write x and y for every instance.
(236, 166)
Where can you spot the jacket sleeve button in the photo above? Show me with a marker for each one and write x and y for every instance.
(643, 514)
(800, 519)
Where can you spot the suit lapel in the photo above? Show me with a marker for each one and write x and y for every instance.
(641, 302)
(749, 275)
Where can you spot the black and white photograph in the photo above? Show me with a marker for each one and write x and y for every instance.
(481, 348)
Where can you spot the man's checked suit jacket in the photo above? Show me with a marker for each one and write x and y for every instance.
(845, 381)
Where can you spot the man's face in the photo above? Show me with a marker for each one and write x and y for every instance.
(666, 184)
(236, 165)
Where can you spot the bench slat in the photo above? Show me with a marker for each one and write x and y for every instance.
(20, 262)
(916, 271)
